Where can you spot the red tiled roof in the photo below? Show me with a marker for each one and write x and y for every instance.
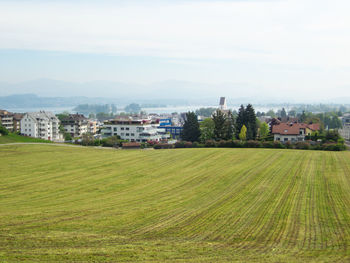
(293, 128)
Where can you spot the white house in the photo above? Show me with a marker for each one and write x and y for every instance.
(43, 125)
(134, 130)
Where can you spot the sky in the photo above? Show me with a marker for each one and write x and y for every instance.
(292, 48)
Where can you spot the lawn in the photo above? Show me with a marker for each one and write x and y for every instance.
(182, 205)
(13, 138)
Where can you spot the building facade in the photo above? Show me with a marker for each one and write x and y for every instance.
(75, 124)
(6, 120)
(134, 130)
(43, 125)
(293, 132)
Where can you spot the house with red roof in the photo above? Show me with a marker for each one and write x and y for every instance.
(293, 132)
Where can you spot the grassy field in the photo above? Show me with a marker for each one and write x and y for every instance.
(12, 138)
(184, 205)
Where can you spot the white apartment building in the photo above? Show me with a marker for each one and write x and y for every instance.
(6, 120)
(139, 130)
(43, 125)
(75, 124)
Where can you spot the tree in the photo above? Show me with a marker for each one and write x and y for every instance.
(219, 119)
(302, 117)
(191, 131)
(3, 130)
(243, 133)
(87, 139)
(264, 130)
(283, 114)
(292, 113)
(240, 121)
(207, 127)
(250, 122)
(229, 126)
(271, 113)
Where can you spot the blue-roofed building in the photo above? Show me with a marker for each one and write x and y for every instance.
(168, 127)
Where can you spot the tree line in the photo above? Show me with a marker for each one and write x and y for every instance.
(222, 125)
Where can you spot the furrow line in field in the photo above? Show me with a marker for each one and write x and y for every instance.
(257, 206)
(212, 203)
(277, 224)
(249, 180)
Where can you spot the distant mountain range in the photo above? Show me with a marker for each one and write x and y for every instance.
(56, 93)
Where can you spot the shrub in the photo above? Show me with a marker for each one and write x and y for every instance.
(333, 147)
(163, 146)
(157, 146)
(197, 145)
(3, 130)
(289, 145)
(210, 143)
(223, 143)
(268, 144)
(278, 145)
(188, 145)
(237, 144)
(302, 145)
(180, 144)
(253, 144)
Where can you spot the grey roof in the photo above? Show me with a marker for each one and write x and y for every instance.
(42, 115)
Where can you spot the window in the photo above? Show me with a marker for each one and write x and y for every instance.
(285, 130)
(127, 134)
(122, 128)
(127, 128)
(114, 129)
(286, 139)
(122, 134)
(133, 134)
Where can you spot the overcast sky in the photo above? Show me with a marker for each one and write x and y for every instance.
(294, 47)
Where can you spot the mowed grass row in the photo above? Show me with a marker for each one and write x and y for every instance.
(187, 205)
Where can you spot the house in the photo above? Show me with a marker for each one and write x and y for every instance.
(293, 132)
(92, 126)
(6, 120)
(17, 117)
(345, 130)
(43, 125)
(75, 124)
(133, 129)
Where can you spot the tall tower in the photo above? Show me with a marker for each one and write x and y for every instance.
(222, 104)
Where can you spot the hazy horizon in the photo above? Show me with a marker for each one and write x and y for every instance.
(270, 49)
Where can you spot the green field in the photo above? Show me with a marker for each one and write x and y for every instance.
(183, 205)
(13, 138)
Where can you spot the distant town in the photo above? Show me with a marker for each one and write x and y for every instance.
(101, 123)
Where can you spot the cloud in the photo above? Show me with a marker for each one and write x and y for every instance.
(283, 32)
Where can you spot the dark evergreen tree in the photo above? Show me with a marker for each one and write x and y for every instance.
(191, 131)
(250, 118)
(230, 126)
(220, 128)
(240, 121)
